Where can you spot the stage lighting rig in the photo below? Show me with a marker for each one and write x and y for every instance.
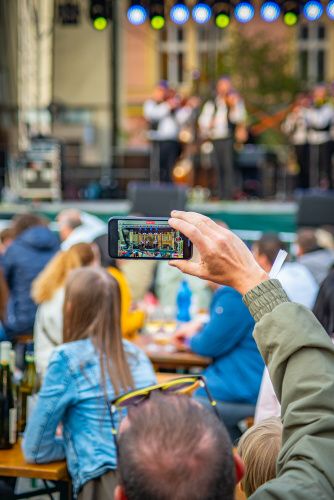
(68, 13)
(179, 13)
(291, 12)
(201, 12)
(222, 13)
(156, 11)
(330, 9)
(137, 13)
(100, 13)
(313, 10)
(270, 11)
(244, 11)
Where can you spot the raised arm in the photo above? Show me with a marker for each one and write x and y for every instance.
(297, 350)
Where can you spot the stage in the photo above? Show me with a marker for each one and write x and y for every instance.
(243, 216)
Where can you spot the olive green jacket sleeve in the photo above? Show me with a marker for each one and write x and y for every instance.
(300, 358)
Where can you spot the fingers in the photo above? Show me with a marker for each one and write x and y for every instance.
(188, 267)
(205, 224)
(192, 232)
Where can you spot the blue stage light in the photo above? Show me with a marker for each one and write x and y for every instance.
(179, 13)
(330, 9)
(313, 10)
(244, 12)
(270, 11)
(201, 13)
(137, 14)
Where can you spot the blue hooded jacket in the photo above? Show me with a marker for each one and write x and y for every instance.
(23, 261)
(236, 371)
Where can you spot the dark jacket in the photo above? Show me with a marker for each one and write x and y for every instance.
(236, 371)
(23, 261)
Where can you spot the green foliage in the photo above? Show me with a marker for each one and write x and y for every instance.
(261, 69)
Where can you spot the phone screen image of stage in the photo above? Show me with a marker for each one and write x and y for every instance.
(149, 239)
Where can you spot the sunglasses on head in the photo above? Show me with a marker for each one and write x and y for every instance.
(182, 385)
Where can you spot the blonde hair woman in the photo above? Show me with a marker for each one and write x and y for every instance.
(259, 448)
(48, 292)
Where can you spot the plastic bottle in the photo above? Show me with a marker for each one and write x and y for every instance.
(183, 302)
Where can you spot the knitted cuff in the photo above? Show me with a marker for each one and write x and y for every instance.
(264, 298)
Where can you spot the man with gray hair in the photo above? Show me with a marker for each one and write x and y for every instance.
(78, 227)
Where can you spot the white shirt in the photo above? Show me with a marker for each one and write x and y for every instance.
(299, 284)
(91, 228)
(169, 123)
(48, 329)
(213, 121)
(319, 118)
(302, 288)
(295, 127)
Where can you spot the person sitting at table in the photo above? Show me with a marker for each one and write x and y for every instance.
(92, 366)
(300, 360)
(33, 247)
(234, 376)
(132, 319)
(48, 292)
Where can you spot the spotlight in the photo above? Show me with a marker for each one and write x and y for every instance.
(221, 10)
(179, 13)
(68, 13)
(330, 9)
(99, 14)
(313, 10)
(270, 11)
(201, 12)
(244, 12)
(136, 13)
(157, 14)
(291, 12)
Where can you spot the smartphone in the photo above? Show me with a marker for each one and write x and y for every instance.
(146, 238)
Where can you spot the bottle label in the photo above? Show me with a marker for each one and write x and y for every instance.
(12, 425)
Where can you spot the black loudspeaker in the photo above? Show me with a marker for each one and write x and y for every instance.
(155, 200)
(316, 210)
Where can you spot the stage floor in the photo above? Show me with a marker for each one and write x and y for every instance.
(245, 215)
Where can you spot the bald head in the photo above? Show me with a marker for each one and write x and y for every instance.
(306, 240)
(172, 447)
(68, 220)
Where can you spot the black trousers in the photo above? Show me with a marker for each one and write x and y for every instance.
(223, 149)
(169, 151)
(302, 156)
(321, 164)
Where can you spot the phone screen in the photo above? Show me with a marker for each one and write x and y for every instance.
(142, 238)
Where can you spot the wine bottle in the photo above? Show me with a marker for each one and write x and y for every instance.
(28, 390)
(8, 413)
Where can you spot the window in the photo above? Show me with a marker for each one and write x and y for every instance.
(312, 46)
(172, 54)
(210, 43)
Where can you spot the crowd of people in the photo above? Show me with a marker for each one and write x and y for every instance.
(310, 130)
(222, 122)
(272, 358)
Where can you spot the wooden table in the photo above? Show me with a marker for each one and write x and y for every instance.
(163, 356)
(13, 464)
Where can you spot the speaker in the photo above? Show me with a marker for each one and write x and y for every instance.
(316, 210)
(156, 200)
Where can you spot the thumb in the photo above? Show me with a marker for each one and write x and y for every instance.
(187, 267)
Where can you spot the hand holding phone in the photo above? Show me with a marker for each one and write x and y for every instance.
(146, 238)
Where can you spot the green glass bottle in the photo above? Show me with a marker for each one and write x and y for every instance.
(8, 413)
(27, 390)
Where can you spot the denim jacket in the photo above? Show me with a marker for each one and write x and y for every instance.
(72, 394)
